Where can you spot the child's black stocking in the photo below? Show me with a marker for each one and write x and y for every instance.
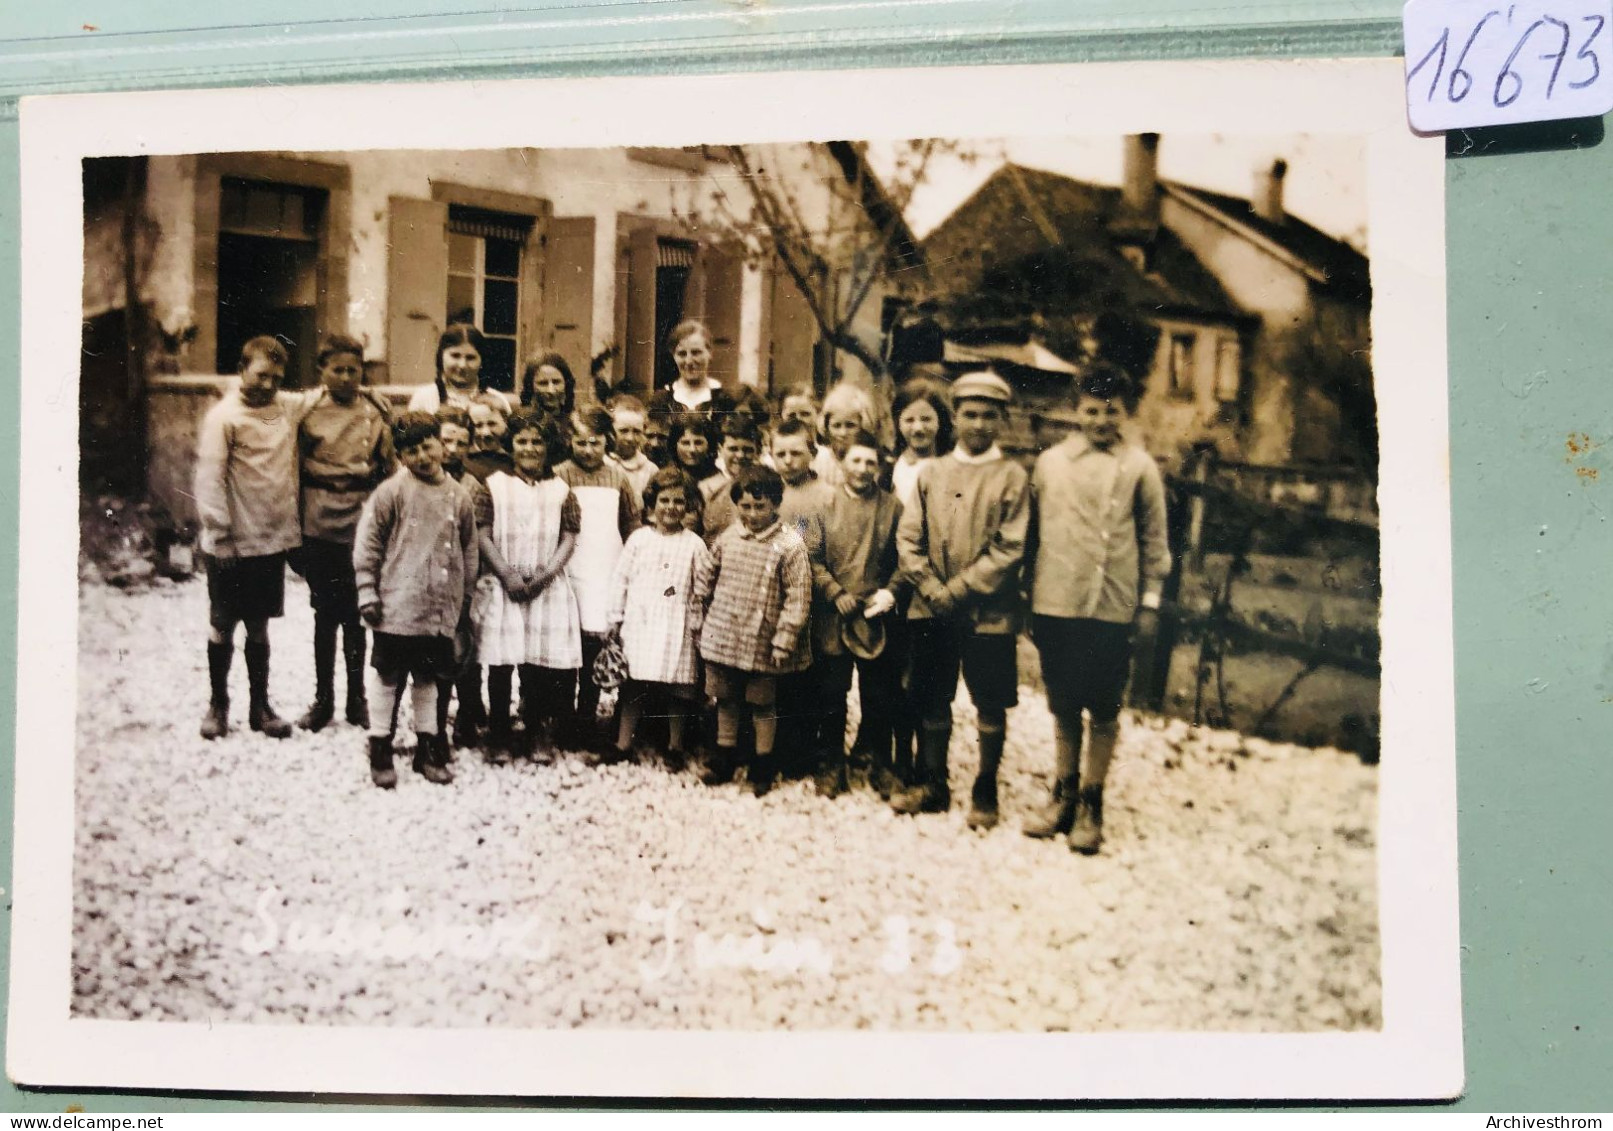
(499, 679)
(219, 655)
(353, 644)
(324, 659)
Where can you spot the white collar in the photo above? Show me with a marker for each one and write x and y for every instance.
(710, 387)
(990, 455)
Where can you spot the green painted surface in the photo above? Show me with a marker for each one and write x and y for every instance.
(1529, 239)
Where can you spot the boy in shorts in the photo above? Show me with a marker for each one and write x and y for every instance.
(1099, 560)
(758, 595)
(415, 559)
(345, 442)
(960, 544)
(246, 506)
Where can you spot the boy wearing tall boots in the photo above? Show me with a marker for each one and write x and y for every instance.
(246, 505)
(960, 543)
(854, 580)
(345, 445)
(1099, 560)
(415, 559)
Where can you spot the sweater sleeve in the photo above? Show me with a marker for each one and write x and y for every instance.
(818, 559)
(912, 538)
(627, 508)
(797, 578)
(887, 575)
(212, 501)
(369, 541)
(997, 565)
(469, 545)
(1153, 548)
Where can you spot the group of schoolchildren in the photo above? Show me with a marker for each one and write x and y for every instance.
(738, 565)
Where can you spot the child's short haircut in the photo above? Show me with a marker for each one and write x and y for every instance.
(789, 392)
(1106, 381)
(864, 439)
(689, 422)
(751, 405)
(593, 419)
(627, 402)
(846, 399)
(453, 414)
(797, 428)
(338, 343)
(536, 420)
(759, 481)
(414, 429)
(671, 479)
(738, 426)
(265, 346)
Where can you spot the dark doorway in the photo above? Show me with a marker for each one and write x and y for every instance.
(671, 283)
(266, 286)
(268, 272)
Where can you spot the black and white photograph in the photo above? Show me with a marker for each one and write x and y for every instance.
(601, 586)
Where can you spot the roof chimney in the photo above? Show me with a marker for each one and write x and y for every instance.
(1141, 187)
(1267, 199)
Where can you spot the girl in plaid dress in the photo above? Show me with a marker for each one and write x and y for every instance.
(526, 615)
(656, 609)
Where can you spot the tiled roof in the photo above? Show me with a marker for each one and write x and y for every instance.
(1342, 265)
(1031, 223)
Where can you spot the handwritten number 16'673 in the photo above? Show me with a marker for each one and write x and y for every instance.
(1509, 82)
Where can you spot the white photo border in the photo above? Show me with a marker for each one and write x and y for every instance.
(1418, 1051)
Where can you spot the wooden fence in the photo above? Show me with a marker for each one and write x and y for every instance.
(1206, 515)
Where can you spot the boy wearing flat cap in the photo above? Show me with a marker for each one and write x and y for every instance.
(960, 544)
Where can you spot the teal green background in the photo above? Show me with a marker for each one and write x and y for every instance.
(1529, 239)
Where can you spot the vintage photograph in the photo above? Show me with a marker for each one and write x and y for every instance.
(927, 584)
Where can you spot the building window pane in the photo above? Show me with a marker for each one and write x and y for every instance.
(503, 258)
(1181, 365)
(461, 298)
(462, 252)
(499, 305)
(498, 364)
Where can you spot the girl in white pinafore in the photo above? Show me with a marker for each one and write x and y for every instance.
(610, 514)
(526, 614)
(656, 608)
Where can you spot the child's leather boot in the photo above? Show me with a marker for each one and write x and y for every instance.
(381, 771)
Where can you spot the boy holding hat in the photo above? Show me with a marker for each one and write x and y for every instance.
(853, 576)
(1099, 562)
(960, 544)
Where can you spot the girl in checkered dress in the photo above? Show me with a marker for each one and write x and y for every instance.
(526, 614)
(656, 609)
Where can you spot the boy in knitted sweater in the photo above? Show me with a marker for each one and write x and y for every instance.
(960, 544)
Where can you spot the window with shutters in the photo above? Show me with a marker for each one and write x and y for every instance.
(484, 284)
(1228, 372)
(1181, 366)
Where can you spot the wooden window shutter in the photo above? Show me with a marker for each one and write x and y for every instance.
(722, 278)
(640, 345)
(416, 288)
(568, 293)
(793, 333)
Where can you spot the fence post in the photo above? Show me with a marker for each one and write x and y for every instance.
(1200, 476)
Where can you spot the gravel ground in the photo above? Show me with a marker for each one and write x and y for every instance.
(253, 880)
